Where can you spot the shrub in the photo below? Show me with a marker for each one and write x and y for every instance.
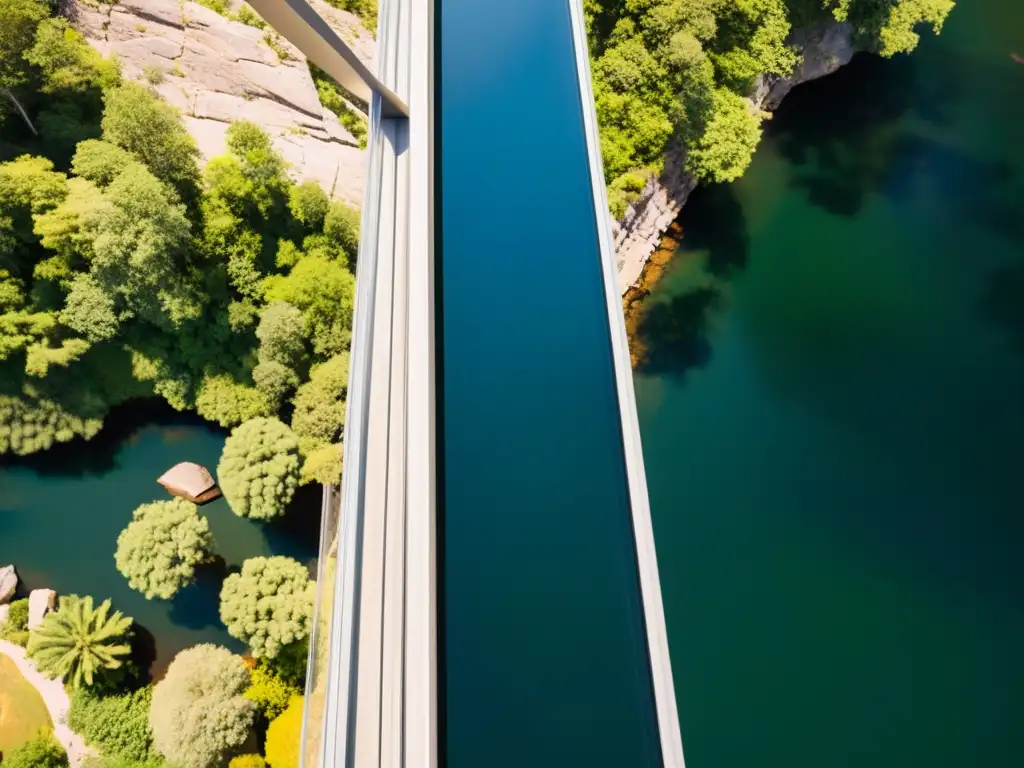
(116, 725)
(247, 761)
(284, 736)
(79, 643)
(269, 692)
(199, 716)
(41, 752)
(15, 629)
(259, 468)
(159, 550)
(268, 605)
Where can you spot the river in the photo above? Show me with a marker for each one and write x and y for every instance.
(61, 512)
(833, 422)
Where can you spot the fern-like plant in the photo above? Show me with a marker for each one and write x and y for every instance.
(78, 641)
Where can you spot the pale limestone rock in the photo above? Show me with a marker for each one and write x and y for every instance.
(8, 583)
(217, 71)
(637, 235)
(5, 610)
(40, 602)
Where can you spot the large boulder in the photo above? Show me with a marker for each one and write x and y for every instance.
(8, 583)
(190, 481)
(40, 603)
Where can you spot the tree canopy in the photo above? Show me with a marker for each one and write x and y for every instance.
(269, 605)
(684, 69)
(160, 549)
(259, 468)
(199, 716)
(79, 642)
(126, 272)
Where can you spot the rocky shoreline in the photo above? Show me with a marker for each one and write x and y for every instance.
(638, 235)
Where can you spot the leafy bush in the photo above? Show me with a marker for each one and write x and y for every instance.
(247, 761)
(15, 629)
(159, 550)
(284, 737)
(79, 643)
(268, 605)
(269, 692)
(41, 752)
(117, 725)
(198, 715)
(259, 468)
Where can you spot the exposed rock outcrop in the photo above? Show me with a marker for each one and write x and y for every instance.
(217, 71)
(636, 236)
(190, 481)
(40, 603)
(8, 583)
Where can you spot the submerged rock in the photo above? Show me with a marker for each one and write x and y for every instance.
(8, 583)
(190, 481)
(40, 603)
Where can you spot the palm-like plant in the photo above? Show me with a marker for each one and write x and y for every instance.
(77, 641)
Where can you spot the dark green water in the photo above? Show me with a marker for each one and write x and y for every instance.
(544, 653)
(833, 422)
(61, 512)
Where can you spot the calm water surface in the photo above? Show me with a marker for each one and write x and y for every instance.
(833, 422)
(61, 513)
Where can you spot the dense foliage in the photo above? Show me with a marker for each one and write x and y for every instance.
(247, 761)
(683, 68)
(269, 605)
(80, 642)
(259, 468)
(15, 628)
(116, 725)
(159, 550)
(269, 691)
(41, 752)
(126, 272)
(199, 716)
(284, 737)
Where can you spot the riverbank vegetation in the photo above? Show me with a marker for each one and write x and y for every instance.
(684, 70)
(126, 272)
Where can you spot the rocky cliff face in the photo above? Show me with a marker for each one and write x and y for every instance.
(637, 235)
(218, 71)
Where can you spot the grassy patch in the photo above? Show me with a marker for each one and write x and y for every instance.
(22, 711)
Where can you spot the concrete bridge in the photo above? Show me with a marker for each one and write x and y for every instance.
(488, 587)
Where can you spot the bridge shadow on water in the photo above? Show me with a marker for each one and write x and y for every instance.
(672, 333)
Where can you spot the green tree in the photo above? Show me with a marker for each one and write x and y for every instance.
(67, 62)
(79, 643)
(247, 761)
(308, 203)
(342, 226)
(269, 692)
(41, 752)
(282, 335)
(158, 551)
(117, 725)
(259, 468)
(100, 161)
(137, 120)
(318, 419)
(28, 187)
(284, 737)
(227, 402)
(18, 22)
(90, 310)
(268, 605)
(724, 151)
(15, 629)
(199, 716)
(324, 291)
